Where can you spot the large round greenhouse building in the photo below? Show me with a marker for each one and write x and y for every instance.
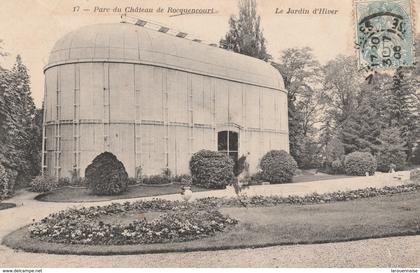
(153, 100)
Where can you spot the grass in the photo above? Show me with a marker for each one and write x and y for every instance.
(384, 216)
(79, 194)
(317, 177)
(7, 205)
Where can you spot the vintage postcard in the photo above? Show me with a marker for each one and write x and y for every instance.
(209, 134)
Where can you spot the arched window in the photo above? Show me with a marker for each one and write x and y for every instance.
(227, 142)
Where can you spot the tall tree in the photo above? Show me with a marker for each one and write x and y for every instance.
(403, 105)
(331, 147)
(302, 75)
(245, 35)
(391, 150)
(17, 112)
(35, 143)
(9, 134)
(361, 129)
(341, 88)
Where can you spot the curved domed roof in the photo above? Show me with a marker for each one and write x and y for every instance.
(133, 44)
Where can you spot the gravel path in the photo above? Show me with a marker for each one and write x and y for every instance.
(387, 252)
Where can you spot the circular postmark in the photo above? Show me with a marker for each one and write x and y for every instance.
(384, 34)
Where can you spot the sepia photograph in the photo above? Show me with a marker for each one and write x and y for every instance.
(139, 134)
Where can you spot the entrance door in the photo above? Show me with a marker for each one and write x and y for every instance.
(227, 142)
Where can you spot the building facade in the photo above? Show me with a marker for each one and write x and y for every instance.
(153, 100)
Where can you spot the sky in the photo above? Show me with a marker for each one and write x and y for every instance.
(31, 27)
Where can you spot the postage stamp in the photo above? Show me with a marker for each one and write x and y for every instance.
(384, 34)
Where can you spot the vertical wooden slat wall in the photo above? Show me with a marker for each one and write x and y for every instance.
(153, 117)
(124, 94)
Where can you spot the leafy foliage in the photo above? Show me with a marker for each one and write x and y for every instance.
(403, 108)
(106, 175)
(301, 74)
(277, 166)
(391, 150)
(211, 169)
(157, 179)
(245, 35)
(359, 163)
(360, 111)
(360, 130)
(349, 106)
(43, 183)
(331, 146)
(309, 156)
(18, 151)
(7, 180)
(341, 88)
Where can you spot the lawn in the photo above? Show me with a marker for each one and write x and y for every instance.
(382, 216)
(80, 194)
(318, 177)
(7, 205)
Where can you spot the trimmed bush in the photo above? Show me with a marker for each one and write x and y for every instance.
(43, 183)
(359, 163)
(7, 181)
(277, 166)
(387, 158)
(210, 169)
(106, 175)
(415, 175)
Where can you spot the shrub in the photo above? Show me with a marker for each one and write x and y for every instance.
(415, 175)
(7, 181)
(254, 179)
(106, 175)
(133, 181)
(337, 167)
(157, 179)
(387, 158)
(43, 183)
(277, 166)
(184, 179)
(64, 181)
(211, 169)
(359, 163)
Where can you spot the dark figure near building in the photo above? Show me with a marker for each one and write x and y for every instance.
(239, 165)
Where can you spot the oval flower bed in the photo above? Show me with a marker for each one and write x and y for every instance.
(160, 226)
(176, 222)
